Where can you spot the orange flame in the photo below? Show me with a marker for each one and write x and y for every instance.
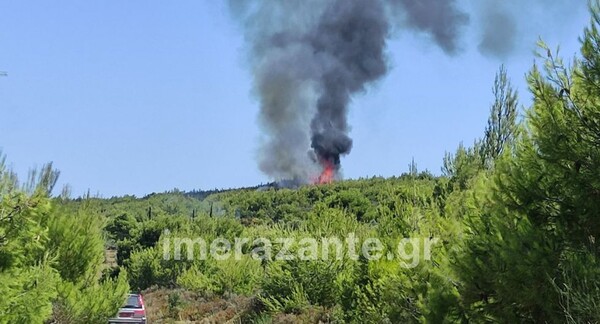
(328, 173)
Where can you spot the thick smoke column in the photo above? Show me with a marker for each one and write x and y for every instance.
(309, 57)
(350, 40)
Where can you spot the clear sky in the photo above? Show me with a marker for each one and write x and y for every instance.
(134, 97)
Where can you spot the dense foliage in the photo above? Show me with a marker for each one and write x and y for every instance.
(51, 259)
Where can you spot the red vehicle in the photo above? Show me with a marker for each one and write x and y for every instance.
(134, 311)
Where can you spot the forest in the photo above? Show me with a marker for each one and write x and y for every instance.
(515, 214)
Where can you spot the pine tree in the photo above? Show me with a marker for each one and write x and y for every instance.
(531, 253)
(50, 258)
(502, 125)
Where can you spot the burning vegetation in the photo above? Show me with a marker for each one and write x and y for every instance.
(328, 173)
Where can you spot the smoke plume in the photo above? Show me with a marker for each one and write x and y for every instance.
(309, 57)
(442, 20)
(498, 32)
(507, 26)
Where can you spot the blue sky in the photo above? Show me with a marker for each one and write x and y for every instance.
(134, 97)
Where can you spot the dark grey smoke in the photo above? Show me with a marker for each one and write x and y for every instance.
(350, 37)
(508, 26)
(442, 19)
(498, 29)
(498, 32)
(309, 57)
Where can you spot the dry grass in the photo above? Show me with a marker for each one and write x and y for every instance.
(110, 258)
(181, 306)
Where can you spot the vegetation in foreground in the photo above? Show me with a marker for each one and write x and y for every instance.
(516, 215)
